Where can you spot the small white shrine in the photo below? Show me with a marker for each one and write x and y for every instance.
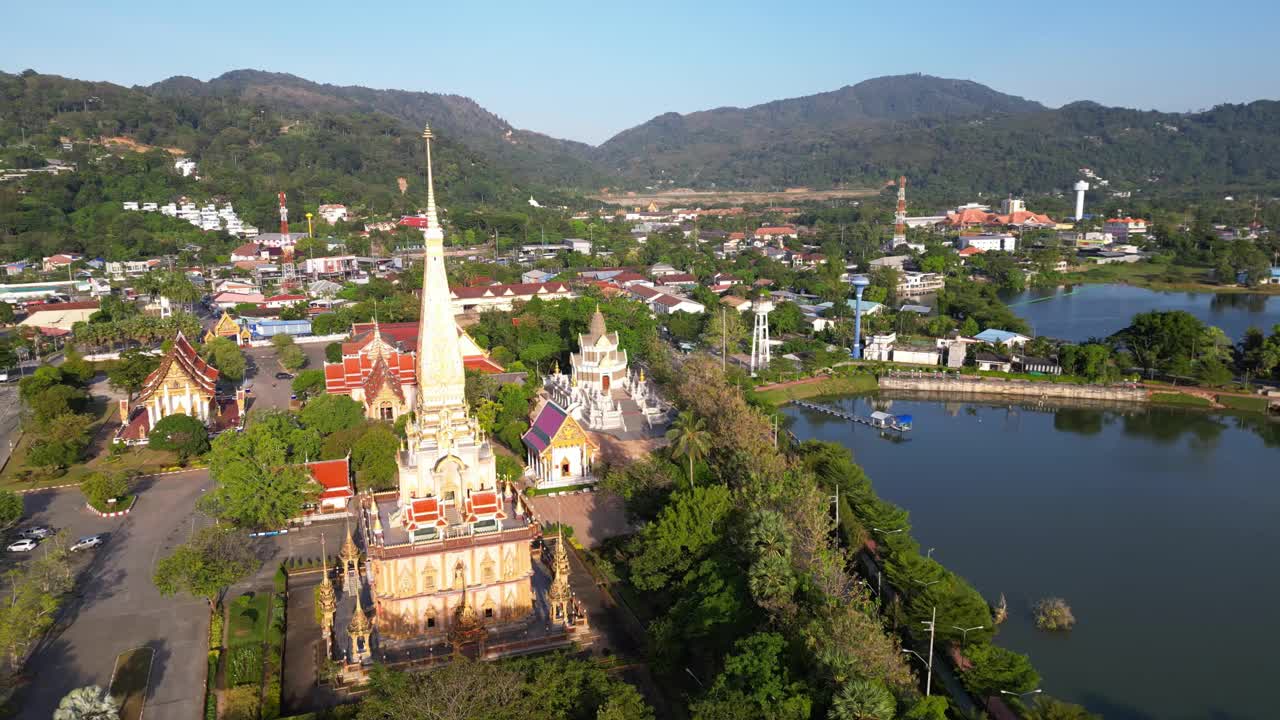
(600, 390)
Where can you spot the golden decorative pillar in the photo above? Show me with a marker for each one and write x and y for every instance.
(359, 631)
(560, 596)
(327, 598)
(350, 557)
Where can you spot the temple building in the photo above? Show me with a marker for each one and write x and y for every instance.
(559, 452)
(600, 390)
(182, 384)
(448, 550)
(377, 367)
(228, 327)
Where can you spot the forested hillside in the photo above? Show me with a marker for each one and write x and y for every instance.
(954, 137)
(125, 141)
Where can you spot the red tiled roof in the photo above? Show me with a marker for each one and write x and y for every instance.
(38, 307)
(482, 504)
(413, 221)
(512, 290)
(971, 250)
(332, 474)
(424, 512)
(776, 230)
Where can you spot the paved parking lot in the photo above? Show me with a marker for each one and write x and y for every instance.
(117, 607)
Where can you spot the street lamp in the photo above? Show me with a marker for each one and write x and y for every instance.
(860, 283)
(925, 584)
(888, 532)
(1022, 695)
(965, 632)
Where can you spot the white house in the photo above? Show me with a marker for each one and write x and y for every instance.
(988, 242)
(333, 213)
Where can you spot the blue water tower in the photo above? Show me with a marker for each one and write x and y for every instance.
(860, 283)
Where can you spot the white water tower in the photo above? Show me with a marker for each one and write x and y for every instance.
(760, 355)
(1081, 188)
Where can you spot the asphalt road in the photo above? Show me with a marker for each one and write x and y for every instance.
(266, 390)
(117, 607)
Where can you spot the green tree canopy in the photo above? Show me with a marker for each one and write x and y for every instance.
(330, 413)
(205, 566)
(181, 434)
(225, 355)
(259, 485)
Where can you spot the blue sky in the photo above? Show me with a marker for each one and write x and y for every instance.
(586, 70)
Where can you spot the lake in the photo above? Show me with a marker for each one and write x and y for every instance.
(1159, 527)
(1080, 312)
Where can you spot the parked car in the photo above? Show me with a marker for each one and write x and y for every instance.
(89, 541)
(23, 545)
(36, 532)
(284, 376)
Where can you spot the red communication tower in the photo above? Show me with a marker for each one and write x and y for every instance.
(284, 217)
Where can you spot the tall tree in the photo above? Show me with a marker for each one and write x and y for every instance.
(259, 485)
(689, 439)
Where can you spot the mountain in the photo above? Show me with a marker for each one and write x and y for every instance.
(954, 136)
(693, 147)
(531, 157)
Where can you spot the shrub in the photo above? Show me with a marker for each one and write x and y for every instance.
(280, 580)
(241, 703)
(98, 488)
(1054, 614)
(215, 630)
(244, 665)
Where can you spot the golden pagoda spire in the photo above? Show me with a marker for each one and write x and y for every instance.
(349, 551)
(433, 222)
(441, 377)
(359, 626)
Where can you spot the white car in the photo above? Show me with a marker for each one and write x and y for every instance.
(90, 541)
(24, 545)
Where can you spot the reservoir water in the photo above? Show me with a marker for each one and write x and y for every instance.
(1079, 312)
(1159, 528)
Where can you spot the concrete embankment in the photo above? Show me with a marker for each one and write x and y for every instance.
(999, 386)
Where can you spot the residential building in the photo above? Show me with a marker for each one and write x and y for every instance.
(1124, 229)
(504, 297)
(330, 266)
(919, 283)
(897, 262)
(578, 245)
(536, 276)
(775, 232)
(990, 362)
(988, 242)
(1044, 366)
(332, 213)
(993, 336)
(61, 261)
(57, 319)
(733, 302)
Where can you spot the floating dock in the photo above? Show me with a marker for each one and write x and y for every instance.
(881, 420)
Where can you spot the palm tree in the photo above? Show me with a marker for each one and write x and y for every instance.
(689, 439)
(87, 703)
(862, 699)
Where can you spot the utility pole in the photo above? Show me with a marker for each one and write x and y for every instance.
(724, 342)
(928, 687)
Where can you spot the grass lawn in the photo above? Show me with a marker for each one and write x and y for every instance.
(836, 385)
(1180, 399)
(1247, 404)
(248, 619)
(119, 505)
(1158, 276)
(129, 681)
(534, 492)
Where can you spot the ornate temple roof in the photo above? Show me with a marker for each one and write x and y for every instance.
(183, 358)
